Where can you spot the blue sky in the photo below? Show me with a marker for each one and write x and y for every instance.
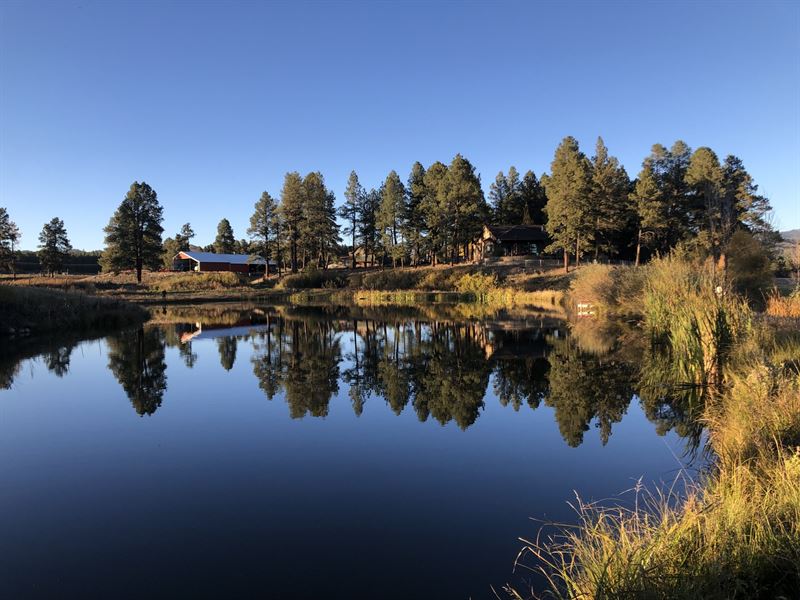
(211, 103)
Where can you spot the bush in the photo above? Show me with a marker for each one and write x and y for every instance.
(478, 285)
(749, 266)
(313, 279)
(391, 279)
(192, 282)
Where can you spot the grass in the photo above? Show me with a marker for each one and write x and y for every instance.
(36, 310)
(192, 282)
(784, 306)
(734, 533)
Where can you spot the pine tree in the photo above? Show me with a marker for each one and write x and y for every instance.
(133, 235)
(9, 238)
(706, 178)
(350, 211)
(465, 209)
(414, 219)
(54, 246)
(389, 220)
(225, 242)
(180, 243)
(569, 188)
(319, 232)
(368, 231)
(533, 200)
(434, 208)
(291, 211)
(610, 206)
(498, 197)
(262, 226)
(185, 236)
(751, 209)
(650, 209)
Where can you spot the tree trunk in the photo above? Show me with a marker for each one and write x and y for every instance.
(566, 261)
(578, 250)
(638, 247)
(138, 269)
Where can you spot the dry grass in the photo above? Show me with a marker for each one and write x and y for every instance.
(784, 306)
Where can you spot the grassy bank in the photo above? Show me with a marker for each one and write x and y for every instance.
(734, 533)
(506, 284)
(36, 310)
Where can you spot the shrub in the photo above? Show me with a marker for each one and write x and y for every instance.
(749, 266)
(477, 285)
(391, 279)
(192, 282)
(313, 279)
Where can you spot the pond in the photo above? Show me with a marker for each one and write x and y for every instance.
(287, 452)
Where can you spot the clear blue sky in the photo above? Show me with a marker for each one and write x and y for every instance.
(211, 103)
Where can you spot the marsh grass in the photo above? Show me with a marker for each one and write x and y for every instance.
(40, 309)
(733, 533)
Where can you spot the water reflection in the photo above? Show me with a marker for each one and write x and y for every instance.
(441, 369)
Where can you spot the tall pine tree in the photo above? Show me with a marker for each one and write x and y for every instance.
(54, 246)
(133, 235)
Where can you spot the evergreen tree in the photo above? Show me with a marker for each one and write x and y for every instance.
(133, 235)
(650, 209)
(705, 178)
(225, 242)
(569, 189)
(54, 246)
(434, 207)
(465, 208)
(185, 236)
(752, 210)
(533, 200)
(319, 233)
(368, 230)
(180, 243)
(681, 214)
(350, 211)
(262, 226)
(414, 219)
(9, 238)
(291, 211)
(136, 358)
(498, 197)
(610, 206)
(389, 220)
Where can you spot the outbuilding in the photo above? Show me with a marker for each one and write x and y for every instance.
(210, 261)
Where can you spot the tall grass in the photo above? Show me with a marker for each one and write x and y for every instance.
(42, 310)
(784, 306)
(734, 533)
(192, 282)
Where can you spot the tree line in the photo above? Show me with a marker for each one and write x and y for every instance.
(589, 207)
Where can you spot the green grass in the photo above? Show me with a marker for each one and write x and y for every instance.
(42, 310)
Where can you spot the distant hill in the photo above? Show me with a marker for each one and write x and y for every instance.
(792, 235)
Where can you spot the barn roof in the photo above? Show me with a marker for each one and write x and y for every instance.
(518, 233)
(233, 259)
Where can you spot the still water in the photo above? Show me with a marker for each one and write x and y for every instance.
(309, 453)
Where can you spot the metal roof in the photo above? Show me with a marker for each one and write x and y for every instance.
(233, 259)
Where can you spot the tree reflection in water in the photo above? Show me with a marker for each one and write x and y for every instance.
(442, 369)
(136, 358)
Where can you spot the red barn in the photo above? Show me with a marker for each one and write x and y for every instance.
(210, 261)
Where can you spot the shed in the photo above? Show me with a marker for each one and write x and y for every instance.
(210, 261)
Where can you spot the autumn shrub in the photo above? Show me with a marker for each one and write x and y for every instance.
(476, 285)
(193, 282)
(313, 279)
(391, 279)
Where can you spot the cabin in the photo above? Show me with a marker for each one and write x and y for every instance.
(247, 264)
(511, 240)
